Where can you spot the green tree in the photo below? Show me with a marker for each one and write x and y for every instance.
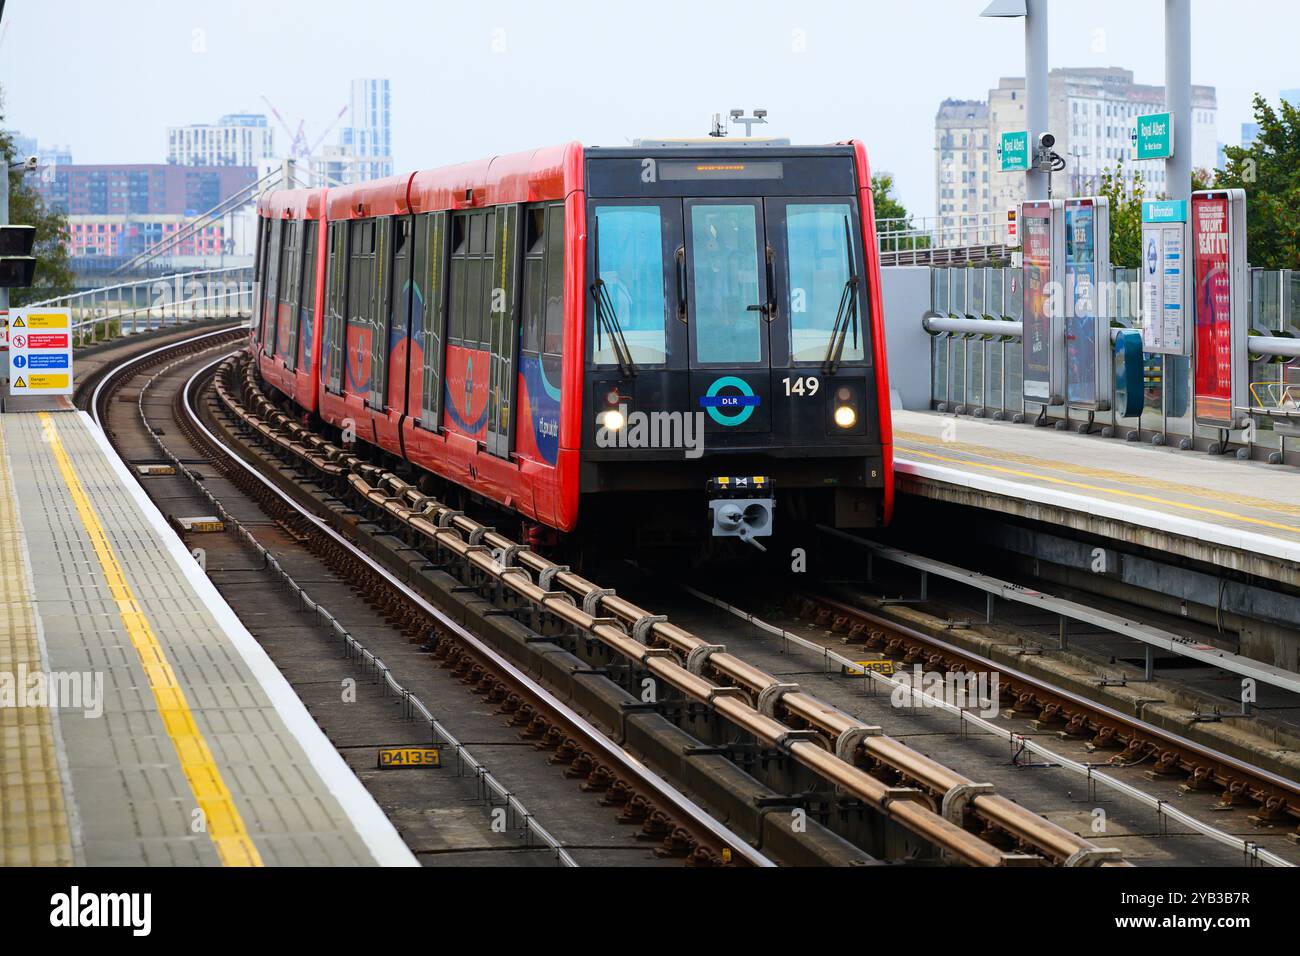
(26, 208)
(1125, 195)
(1269, 171)
(892, 216)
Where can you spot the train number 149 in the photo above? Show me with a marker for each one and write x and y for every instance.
(803, 385)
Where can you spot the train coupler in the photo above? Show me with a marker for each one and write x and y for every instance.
(742, 508)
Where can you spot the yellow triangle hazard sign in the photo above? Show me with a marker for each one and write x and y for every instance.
(20, 383)
(19, 323)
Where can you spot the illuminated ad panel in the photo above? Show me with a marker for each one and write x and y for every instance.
(1043, 354)
(1087, 296)
(1218, 243)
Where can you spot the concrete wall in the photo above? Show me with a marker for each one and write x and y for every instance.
(906, 291)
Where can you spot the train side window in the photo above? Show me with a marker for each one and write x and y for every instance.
(336, 307)
(286, 322)
(534, 280)
(459, 251)
(431, 283)
(472, 268)
(381, 288)
(259, 271)
(270, 291)
(553, 339)
(301, 342)
(361, 276)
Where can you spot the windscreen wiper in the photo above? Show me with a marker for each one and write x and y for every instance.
(846, 315)
(608, 324)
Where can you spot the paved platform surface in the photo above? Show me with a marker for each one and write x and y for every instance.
(174, 740)
(1243, 514)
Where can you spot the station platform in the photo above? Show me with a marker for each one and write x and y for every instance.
(140, 723)
(1236, 514)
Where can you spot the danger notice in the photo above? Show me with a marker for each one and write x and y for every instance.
(47, 340)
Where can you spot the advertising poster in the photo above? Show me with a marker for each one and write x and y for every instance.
(1037, 316)
(1081, 322)
(1213, 380)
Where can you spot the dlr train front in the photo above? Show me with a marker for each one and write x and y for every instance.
(735, 366)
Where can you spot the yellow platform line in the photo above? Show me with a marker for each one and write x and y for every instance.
(1102, 474)
(1108, 491)
(224, 824)
(34, 829)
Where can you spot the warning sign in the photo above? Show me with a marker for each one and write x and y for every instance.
(40, 352)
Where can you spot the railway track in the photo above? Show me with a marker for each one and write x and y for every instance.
(947, 811)
(665, 825)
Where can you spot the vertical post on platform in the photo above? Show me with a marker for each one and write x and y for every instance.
(1178, 167)
(1178, 96)
(1036, 90)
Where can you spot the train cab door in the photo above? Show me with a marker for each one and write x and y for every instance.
(731, 313)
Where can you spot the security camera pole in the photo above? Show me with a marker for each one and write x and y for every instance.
(1035, 16)
(1178, 96)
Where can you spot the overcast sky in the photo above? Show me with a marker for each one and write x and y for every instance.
(482, 76)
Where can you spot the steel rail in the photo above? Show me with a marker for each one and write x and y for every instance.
(1124, 627)
(485, 778)
(751, 702)
(1249, 848)
(121, 368)
(591, 735)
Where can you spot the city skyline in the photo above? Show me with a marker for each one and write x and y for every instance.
(532, 80)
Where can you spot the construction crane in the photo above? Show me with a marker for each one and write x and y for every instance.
(298, 145)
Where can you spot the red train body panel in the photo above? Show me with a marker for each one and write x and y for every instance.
(506, 421)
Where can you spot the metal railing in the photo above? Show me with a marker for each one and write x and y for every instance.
(145, 304)
(976, 363)
(284, 176)
(941, 232)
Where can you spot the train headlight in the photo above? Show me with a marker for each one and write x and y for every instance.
(614, 420)
(845, 416)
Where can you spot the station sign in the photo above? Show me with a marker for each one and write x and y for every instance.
(1165, 278)
(1153, 136)
(40, 351)
(1219, 255)
(1013, 152)
(1088, 302)
(1042, 228)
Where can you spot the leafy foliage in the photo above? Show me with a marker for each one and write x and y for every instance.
(1125, 197)
(1269, 171)
(889, 208)
(54, 275)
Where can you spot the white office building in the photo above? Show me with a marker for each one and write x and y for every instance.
(237, 139)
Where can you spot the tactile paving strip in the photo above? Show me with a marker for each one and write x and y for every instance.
(34, 827)
(139, 806)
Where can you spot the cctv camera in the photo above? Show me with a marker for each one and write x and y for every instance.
(1047, 140)
(30, 162)
(736, 114)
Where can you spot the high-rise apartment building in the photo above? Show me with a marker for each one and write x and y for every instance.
(961, 188)
(1092, 113)
(368, 137)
